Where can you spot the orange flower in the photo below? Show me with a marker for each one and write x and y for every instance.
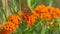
(9, 26)
(47, 12)
(35, 14)
(12, 23)
(48, 17)
(4, 32)
(29, 19)
(14, 17)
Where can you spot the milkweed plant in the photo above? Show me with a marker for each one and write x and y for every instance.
(29, 17)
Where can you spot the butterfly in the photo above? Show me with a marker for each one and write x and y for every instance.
(26, 10)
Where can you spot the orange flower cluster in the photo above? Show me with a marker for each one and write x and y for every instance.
(4, 32)
(29, 19)
(12, 23)
(47, 12)
(42, 11)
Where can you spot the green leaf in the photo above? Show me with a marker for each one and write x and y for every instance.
(4, 15)
(23, 26)
(27, 32)
(51, 2)
(43, 29)
(13, 3)
(14, 10)
(14, 6)
(59, 24)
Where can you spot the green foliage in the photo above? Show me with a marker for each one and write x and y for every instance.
(4, 15)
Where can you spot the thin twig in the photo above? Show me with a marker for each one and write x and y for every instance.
(7, 8)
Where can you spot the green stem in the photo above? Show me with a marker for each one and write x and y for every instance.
(50, 3)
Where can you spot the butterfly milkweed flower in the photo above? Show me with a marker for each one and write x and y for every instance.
(12, 23)
(47, 12)
(14, 19)
(30, 19)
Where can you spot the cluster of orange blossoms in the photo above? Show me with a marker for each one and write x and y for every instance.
(12, 23)
(47, 12)
(30, 19)
(43, 12)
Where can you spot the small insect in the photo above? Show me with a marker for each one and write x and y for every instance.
(26, 10)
